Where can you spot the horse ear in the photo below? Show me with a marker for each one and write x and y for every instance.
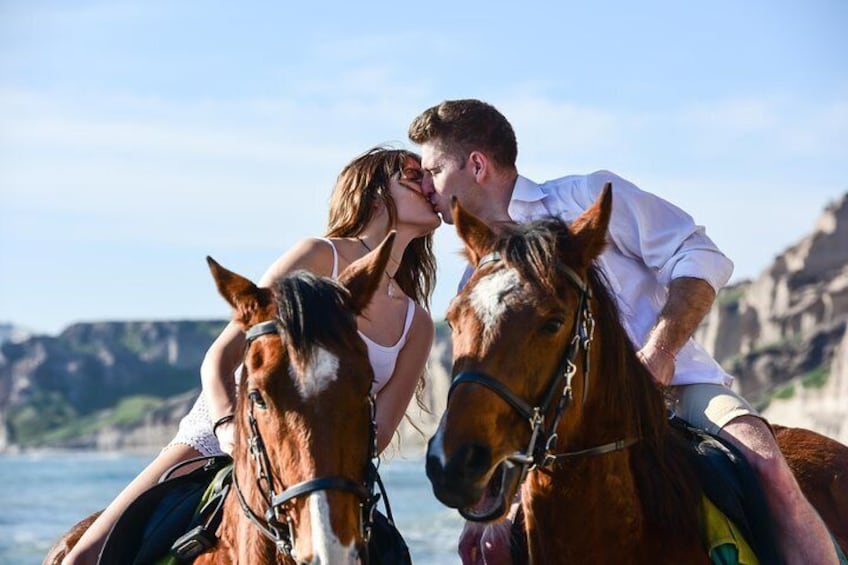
(239, 292)
(362, 277)
(478, 237)
(590, 227)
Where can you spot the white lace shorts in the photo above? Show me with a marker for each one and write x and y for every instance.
(196, 430)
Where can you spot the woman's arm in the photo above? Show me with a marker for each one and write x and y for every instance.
(225, 353)
(393, 400)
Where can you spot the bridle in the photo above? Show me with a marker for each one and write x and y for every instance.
(275, 523)
(541, 450)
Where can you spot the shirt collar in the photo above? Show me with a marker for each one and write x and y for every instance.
(526, 190)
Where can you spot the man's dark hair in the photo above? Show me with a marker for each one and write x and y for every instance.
(463, 126)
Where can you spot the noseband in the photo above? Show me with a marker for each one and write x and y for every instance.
(541, 450)
(276, 522)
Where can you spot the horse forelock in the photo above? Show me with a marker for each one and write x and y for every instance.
(524, 250)
(311, 311)
(529, 249)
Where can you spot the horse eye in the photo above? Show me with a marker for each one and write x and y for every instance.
(552, 326)
(256, 397)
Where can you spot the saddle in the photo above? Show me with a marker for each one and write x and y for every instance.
(161, 516)
(730, 485)
(176, 520)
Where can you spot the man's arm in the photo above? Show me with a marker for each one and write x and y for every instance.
(689, 300)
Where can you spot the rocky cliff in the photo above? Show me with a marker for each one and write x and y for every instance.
(56, 391)
(783, 335)
(125, 385)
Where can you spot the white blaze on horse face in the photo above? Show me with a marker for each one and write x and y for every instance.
(493, 295)
(326, 547)
(317, 376)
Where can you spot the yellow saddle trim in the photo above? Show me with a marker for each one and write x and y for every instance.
(720, 531)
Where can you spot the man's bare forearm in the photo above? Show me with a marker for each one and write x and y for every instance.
(689, 300)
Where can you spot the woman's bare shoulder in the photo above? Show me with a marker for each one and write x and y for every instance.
(313, 254)
(422, 324)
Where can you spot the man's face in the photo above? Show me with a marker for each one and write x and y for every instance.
(445, 176)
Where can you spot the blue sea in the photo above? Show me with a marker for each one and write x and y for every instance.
(43, 495)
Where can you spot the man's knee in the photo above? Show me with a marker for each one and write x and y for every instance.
(755, 440)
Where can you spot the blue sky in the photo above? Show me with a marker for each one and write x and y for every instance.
(138, 137)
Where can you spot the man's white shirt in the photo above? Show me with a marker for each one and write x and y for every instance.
(650, 242)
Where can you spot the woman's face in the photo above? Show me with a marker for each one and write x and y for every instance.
(413, 208)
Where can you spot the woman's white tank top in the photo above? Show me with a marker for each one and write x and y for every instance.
(383, 358)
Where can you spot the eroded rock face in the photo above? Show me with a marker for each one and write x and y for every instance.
(47, 382)
(785, 331)
(818, 408)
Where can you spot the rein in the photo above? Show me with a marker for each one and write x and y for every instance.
(541, 450)
(281, 531)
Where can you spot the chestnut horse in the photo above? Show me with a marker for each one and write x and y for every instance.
(304, 429)
(548, 396)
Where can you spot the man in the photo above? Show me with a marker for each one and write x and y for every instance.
(664, 273)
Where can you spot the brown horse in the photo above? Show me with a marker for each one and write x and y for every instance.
(304, 421)
(609, 480)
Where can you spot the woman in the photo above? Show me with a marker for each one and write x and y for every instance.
(377, 192)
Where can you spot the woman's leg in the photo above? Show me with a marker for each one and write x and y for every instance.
(87, 549)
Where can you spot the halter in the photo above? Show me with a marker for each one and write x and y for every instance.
(541, 450)
(280, 530)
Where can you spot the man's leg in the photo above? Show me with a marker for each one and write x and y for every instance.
(802, 535)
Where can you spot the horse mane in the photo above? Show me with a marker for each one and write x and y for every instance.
(668, 488)
(311, 310)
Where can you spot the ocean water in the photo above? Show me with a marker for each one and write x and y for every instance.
(43, 495)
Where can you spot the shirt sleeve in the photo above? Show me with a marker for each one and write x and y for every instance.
(665, 238)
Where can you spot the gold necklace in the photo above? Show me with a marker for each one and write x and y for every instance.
(392, 282)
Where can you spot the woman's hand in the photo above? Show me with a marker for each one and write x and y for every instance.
(225, 433)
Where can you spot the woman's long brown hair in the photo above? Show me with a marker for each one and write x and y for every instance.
(365, 182)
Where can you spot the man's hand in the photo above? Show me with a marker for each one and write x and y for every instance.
(660, 363)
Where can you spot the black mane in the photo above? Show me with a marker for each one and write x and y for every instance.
(312, 311)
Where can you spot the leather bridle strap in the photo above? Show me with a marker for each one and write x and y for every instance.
(260, 329)
(617, 445)
(498, 387)
(283, 542)
(324, 483)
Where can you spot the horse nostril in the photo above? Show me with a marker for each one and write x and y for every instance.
(455, 479)
(471, 461)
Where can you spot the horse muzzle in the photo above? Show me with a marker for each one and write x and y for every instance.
(458, 478)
